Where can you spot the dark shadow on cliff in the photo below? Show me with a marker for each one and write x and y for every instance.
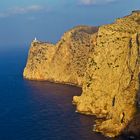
(132, 131)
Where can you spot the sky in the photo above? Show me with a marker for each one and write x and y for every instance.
(23, 20)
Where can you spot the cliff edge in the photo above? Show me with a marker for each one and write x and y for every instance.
(105, 62)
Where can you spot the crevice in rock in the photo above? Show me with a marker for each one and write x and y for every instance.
(130, 43)
(137, 40)
(113, 101)
(122, 117)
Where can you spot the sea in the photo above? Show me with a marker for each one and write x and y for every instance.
(33, 110)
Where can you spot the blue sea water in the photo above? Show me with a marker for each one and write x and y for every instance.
(31, 110)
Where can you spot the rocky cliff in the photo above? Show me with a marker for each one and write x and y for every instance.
(106, 64)
(111, 81)
(63, 62)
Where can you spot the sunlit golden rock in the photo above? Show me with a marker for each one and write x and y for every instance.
(106, 63)
(64, 62)
(111, 80)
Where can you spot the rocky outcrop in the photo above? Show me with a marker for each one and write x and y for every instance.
(105, 63)
(64, 62)
(111, 81)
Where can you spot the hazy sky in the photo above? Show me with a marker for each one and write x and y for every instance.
(22, 20)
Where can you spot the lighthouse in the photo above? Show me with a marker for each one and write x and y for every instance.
(35, 40)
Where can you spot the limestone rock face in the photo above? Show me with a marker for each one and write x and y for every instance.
(111, 80)
(105, 63)
(64, 62)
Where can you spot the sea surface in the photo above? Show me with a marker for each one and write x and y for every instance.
(31, 110)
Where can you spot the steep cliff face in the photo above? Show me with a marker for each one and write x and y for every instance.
(111, 81)
(64, 62)
(39, 59)
(106, 63)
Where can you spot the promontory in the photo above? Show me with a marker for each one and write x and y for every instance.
(105, 62)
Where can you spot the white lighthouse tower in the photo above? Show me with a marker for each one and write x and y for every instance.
(35, 40)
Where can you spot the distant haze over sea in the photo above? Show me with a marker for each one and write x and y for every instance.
(21, 21)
